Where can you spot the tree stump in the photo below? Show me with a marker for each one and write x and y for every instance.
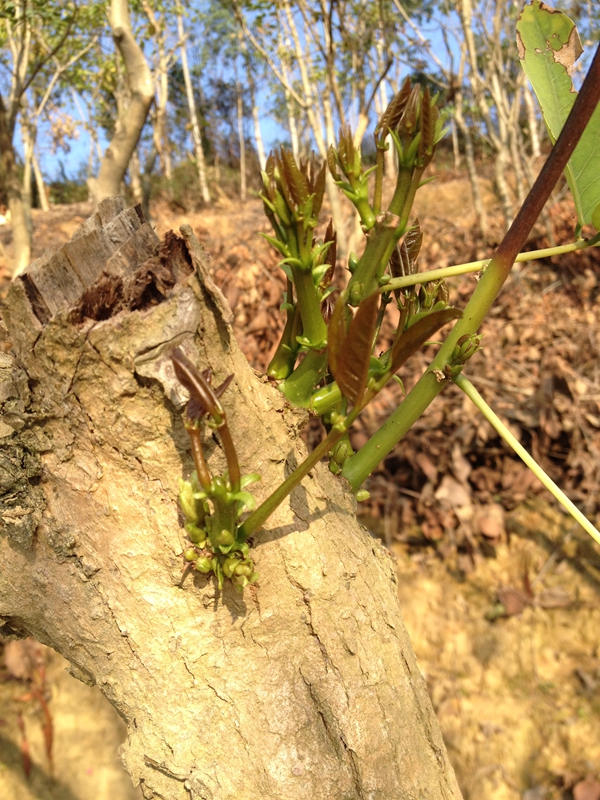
(304, 687)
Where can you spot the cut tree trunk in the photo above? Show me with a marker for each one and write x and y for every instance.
(304, 687)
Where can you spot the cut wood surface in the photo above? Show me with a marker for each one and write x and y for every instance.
(306, 685)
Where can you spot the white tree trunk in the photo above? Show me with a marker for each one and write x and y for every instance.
(129, 125)
(196, 135)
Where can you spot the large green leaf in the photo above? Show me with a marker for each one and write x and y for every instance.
(549, 46)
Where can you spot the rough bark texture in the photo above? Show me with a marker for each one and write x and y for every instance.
(303, 688)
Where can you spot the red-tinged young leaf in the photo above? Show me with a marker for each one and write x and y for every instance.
(396, 263)
(404, 258)
(223, 386)
(353, 351)
(391, 116)
(330, 256)
(336, 335)
(429, 117)
(332, 163)
(407, 124)
(292, 180)
(318, 187)
(327, 307)
(196, 384)
(413, 241)
(416, 336)
(346, 150)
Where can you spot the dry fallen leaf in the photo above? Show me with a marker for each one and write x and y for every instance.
(556, 597)
(586, 790)
(489, 521)
(513, 600)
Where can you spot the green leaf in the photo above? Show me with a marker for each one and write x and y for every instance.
(279, 246)
(549, 46)
(596, 217)
(350, 353)
(416, 336)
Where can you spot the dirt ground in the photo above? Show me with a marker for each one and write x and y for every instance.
(500, 591)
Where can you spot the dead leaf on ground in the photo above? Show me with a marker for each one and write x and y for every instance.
(586, 790)
(513, 600)
(557, 597)
(489, 521)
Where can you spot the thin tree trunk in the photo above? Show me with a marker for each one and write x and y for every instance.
(135, 177)
(28, 144)
(455, 146)
(305, 686)
(39, 182)
(196, 135)
(471, 166)
(129, 126)
(260, 147)
(289, 102)
(532, 123)
(241, 140)
(12, 186)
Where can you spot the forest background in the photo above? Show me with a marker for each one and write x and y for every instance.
(475, 541)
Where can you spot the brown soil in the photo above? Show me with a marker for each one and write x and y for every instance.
(500, 591)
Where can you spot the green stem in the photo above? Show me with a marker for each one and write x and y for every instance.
(202, 472)
(265, 509)
(378, 181)
(359, 467)
(326, 399)
(233, 467)
(300, 385)
(314, 328)
(467, 387)
(284, 358)
(403, 188)
(372, 263)
(478, 266)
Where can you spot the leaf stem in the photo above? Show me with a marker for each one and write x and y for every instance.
(467, 387)
(478, 266)
(268, 506)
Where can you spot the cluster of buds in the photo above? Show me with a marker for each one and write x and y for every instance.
(214, 548)
(212, 506)
(292, 197)
(353, 182)
(413, 121)
(464, 349)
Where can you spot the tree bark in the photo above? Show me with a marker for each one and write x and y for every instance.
(303, 688)
(129, 125)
